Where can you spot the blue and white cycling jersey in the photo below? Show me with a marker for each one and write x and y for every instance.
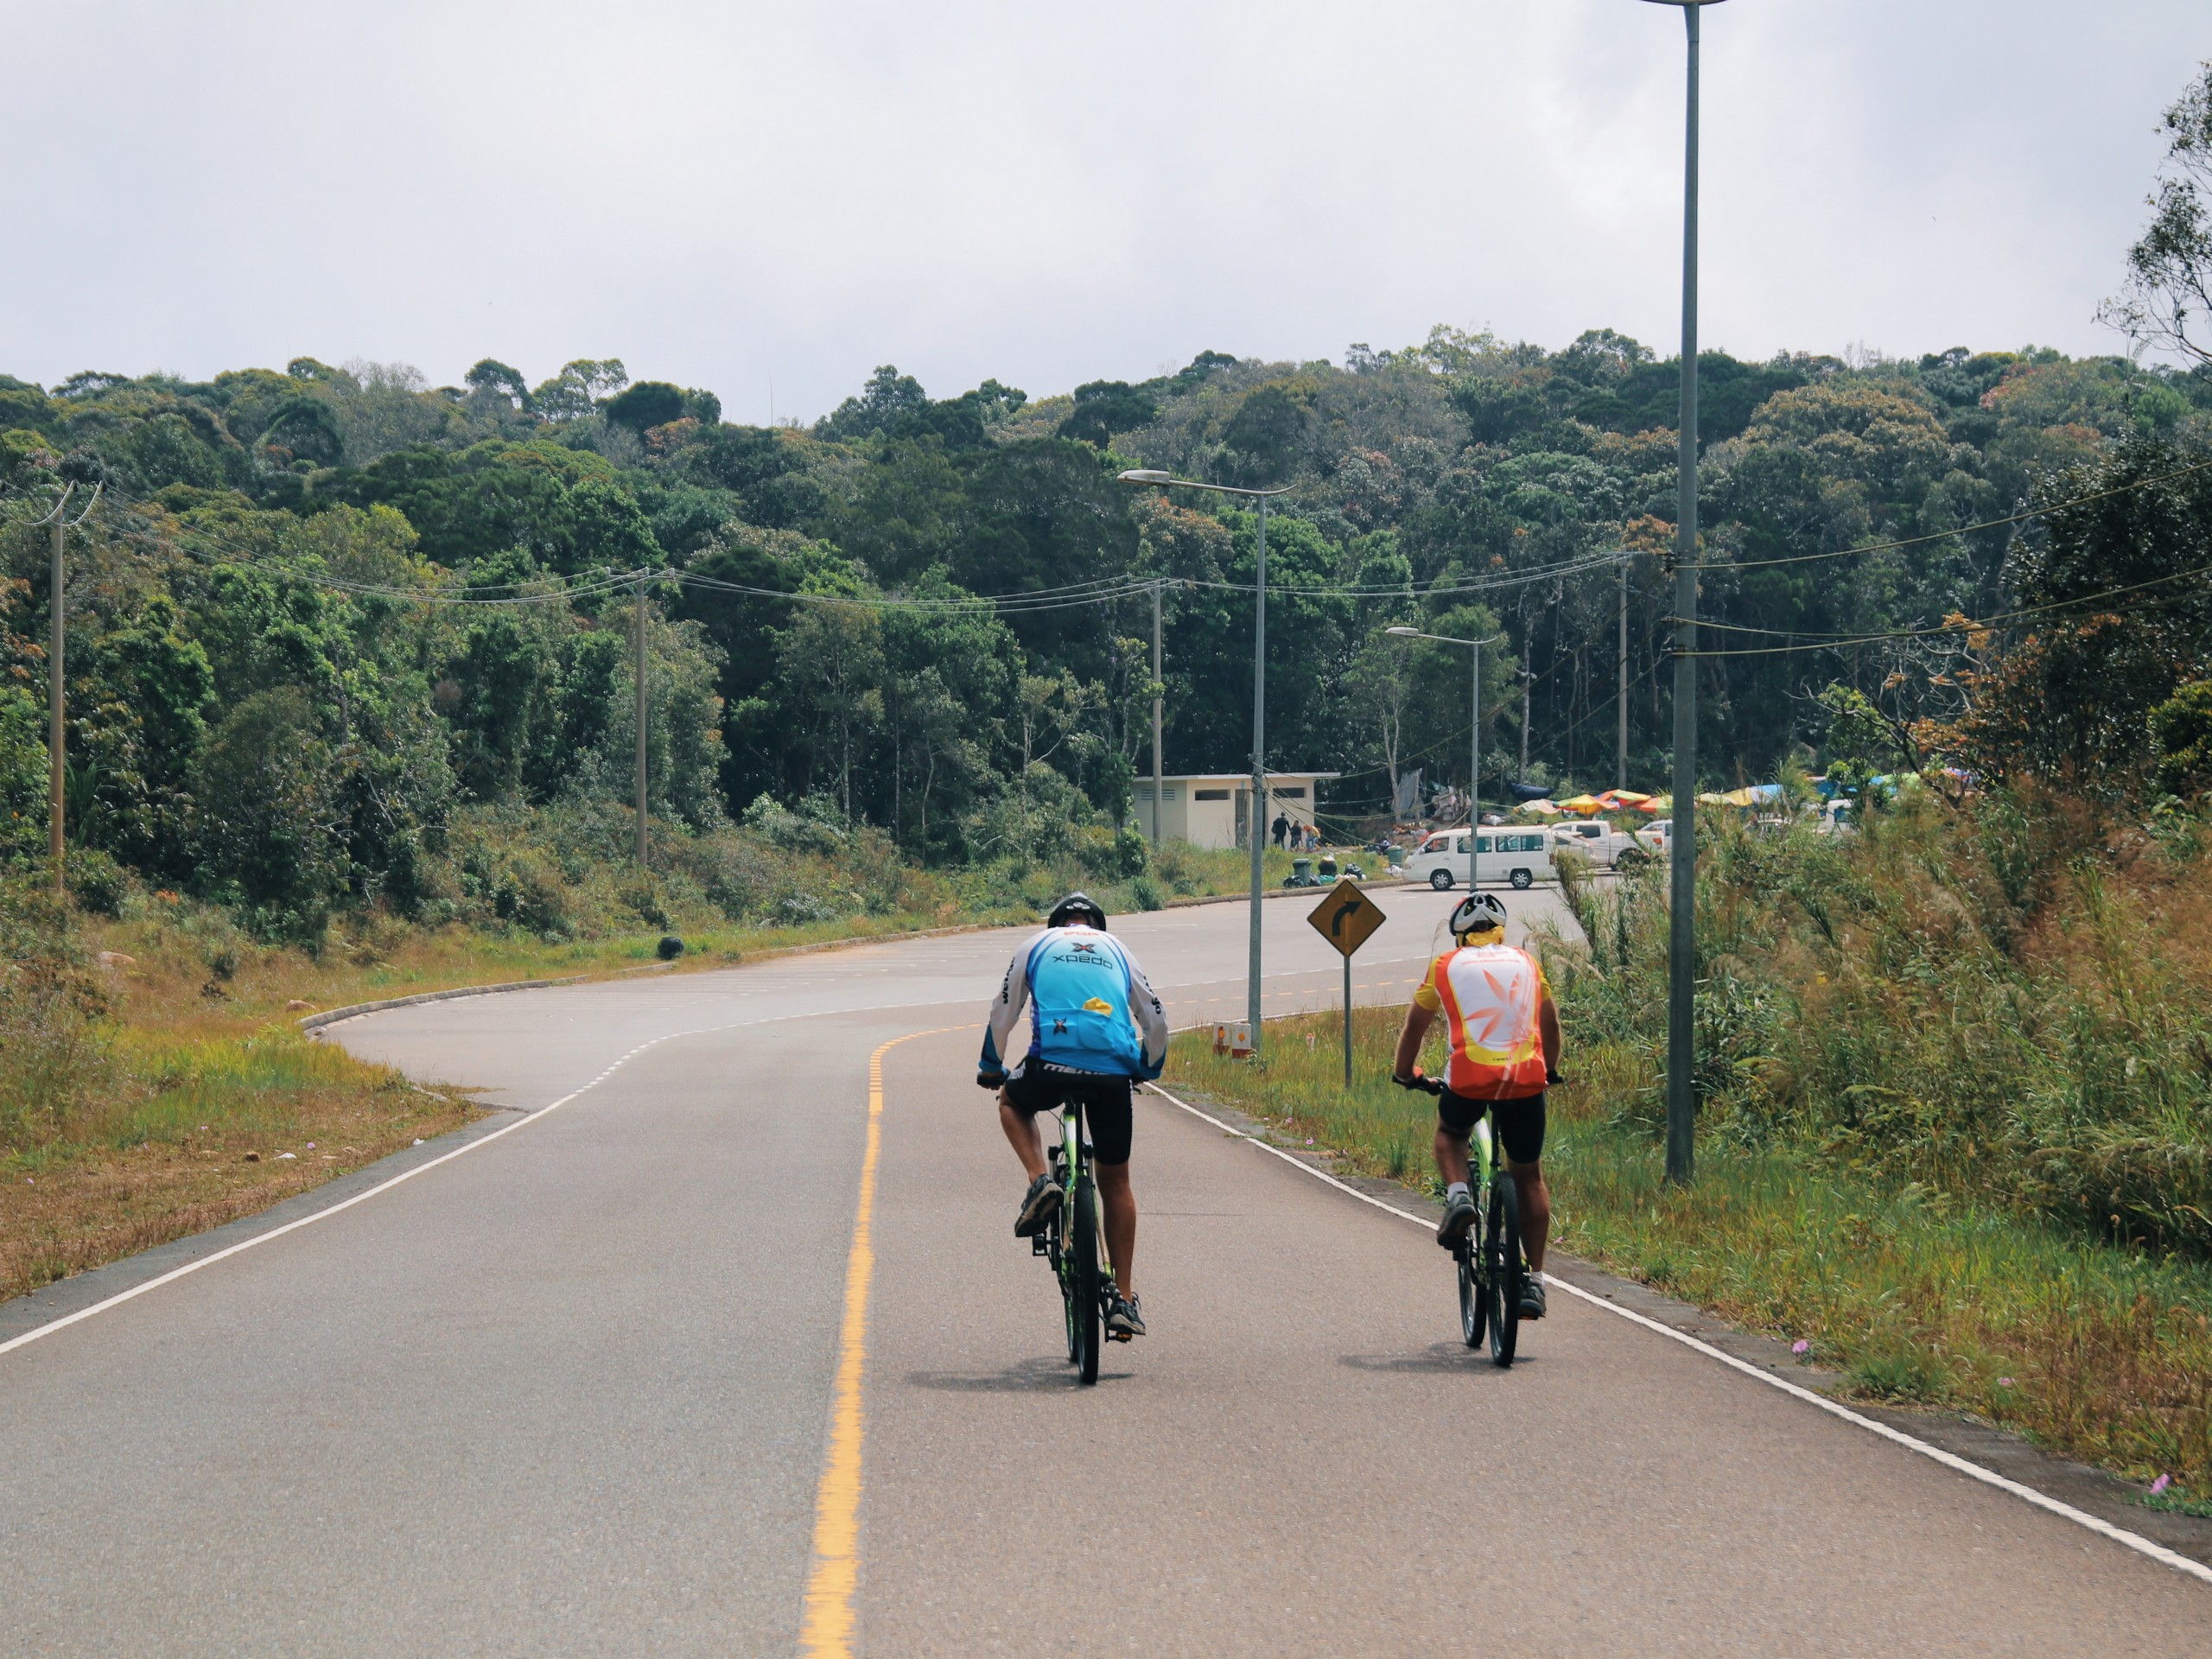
(1091, 1008)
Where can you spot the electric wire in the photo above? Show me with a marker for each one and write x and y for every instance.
(1963, 625)
(2021, 517)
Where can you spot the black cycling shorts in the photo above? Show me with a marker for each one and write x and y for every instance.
(1105, 1098)
(1519, 1123)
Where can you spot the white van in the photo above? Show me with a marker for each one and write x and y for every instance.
(1519, 857)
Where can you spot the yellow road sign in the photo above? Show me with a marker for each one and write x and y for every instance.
(1347, 918)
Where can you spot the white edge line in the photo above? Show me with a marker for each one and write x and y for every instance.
(324, 1214)
(2133, 1540)
(209, 1260)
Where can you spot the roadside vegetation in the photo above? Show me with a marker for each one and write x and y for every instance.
(154, 1077)
(1955, 1110)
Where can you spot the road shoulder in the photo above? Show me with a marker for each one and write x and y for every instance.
(2090, 1490)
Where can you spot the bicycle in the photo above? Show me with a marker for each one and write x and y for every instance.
(1492, 1269)
(1073, 1242)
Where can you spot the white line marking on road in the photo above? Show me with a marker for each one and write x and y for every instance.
(1951, 1460)
(244, 1244)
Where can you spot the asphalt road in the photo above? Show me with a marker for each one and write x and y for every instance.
(573, 1393)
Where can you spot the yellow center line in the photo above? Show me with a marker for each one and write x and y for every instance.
(834, 1579)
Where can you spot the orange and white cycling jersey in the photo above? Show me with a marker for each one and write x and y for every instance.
(1488, 995)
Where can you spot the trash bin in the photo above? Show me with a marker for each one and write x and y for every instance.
(1302, 873)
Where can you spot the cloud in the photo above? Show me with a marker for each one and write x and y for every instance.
(719, 193)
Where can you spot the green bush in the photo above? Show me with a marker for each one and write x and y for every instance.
(2000, 1000)
(23, 777)
(96, 881)
(2182, 727)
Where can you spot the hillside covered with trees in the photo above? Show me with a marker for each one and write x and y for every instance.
(318, 612)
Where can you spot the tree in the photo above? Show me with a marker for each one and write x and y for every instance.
(495, 379)
(2167, 300)
(647, 404)
(268, 832)
(887, 395)
(306, 427)
(574, 392)
(1379, 687)
(22, 777)
(1105, 407)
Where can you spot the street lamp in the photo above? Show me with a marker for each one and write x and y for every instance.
(1681, 935)
(1255, 822)
(1475, 772)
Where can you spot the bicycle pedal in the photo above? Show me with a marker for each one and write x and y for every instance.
(1120, 1336)
(1039, 1245)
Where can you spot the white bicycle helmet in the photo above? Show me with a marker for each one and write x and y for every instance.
(1477, 912)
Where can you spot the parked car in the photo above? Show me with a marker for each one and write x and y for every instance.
(1599, 842)
(1520, 858)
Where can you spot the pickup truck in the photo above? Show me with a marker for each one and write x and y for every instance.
(1603, 845)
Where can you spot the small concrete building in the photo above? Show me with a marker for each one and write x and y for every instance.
(1211, 808)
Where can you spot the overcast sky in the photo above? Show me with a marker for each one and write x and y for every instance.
(724, 194)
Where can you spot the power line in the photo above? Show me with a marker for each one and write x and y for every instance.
(1962, 625)
(1964, 530)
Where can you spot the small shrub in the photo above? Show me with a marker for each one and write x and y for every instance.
(801, 909)
(1903, 1370)
(96, 881)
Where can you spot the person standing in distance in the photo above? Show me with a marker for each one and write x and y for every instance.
(1504, 1051)
(1096, 1025)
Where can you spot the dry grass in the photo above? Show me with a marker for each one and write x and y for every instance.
(152, 1071)
(175, 1115)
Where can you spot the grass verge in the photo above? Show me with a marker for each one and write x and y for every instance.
(194, 1126)
(153, 1078)
(2098, 1350)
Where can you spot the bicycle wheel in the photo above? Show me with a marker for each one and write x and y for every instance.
(1057, 1249)
(1083, 1281)
(1474, 1306)
(1502, 1252)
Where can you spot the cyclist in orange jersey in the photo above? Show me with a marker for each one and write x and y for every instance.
(1505, 1051)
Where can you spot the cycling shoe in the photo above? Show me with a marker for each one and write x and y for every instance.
(1038, 1205)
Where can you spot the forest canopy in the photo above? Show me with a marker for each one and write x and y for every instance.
(316, 611)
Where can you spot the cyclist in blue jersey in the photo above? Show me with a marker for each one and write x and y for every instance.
(1095, 1026)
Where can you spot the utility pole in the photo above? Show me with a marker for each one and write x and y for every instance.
(1259, 823)
(57, 734)
(1158, 687)
(1527, 681)
(1682, 934)
(640, 630)
(1475, 772)
(57, 696)
(1620, 777)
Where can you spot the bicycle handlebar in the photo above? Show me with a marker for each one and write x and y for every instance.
(1435, 1086)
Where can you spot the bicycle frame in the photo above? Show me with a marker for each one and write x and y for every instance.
(1075, 1229)
(1074, 1163)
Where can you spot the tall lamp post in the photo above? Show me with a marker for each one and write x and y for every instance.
(1255, 821)
(1682, 938)
(1475, 741)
